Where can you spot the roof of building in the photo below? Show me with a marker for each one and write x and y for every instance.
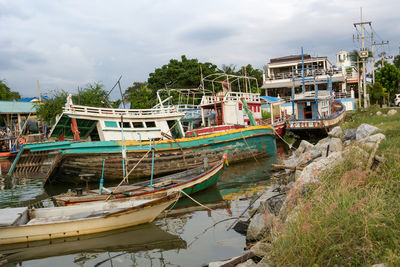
(271, 99)
(30, 99)
(16, 107)
(294, 58)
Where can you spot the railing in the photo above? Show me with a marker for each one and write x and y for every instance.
(298, 74)
(231, 96)
(84, 110)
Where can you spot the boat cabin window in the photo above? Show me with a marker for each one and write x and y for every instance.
(150, 124)
(110, 124)
(137, 124)
(124, 125)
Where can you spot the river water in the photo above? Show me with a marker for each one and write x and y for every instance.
(190, 235)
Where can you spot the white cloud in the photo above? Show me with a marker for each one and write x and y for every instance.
(66, 44)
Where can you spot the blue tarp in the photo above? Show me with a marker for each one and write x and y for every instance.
(271, 99)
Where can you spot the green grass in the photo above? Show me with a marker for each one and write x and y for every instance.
(352, 217)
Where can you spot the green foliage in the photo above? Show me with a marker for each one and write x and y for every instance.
(179, 74)
(350, 217)
(396, 61)
(6, 93)
(93, 95)
(51, 107)
(139, 96)
(389, 78)
(265, 114)
(377, 93)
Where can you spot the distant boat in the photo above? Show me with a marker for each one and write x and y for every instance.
(190, 182)
(21, 225)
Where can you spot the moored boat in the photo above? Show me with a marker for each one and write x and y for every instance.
(190, 182)
(20, 225)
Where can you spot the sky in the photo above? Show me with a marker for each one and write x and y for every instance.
(69, 43)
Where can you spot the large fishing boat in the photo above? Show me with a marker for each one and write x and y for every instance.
(125, 137)
(314, 111)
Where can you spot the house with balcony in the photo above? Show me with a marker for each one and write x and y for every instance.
(284, 73)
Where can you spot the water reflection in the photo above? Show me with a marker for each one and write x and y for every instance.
(204, 231)
(90, 248)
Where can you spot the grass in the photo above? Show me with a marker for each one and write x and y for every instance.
(352, 217)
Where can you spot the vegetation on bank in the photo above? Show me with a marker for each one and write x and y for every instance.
(351, 217)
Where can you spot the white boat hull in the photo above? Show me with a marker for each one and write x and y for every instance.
(57, 228)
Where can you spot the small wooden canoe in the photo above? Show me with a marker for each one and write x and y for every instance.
(19, 225)
(190, 181)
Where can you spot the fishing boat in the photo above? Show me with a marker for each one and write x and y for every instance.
(21, 225)
(190, 182)
(134, 239)
(314, 111)
(124, 137)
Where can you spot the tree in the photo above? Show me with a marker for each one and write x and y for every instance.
(6, 93)
(228, 69)
(396, 61)
(93, 95)
(139, 95)
(389, 78)
(377, 93)
(180, 74)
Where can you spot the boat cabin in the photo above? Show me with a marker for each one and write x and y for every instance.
(107, 124)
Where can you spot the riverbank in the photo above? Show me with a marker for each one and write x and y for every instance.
(339, 205)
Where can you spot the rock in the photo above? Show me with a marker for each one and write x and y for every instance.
(379, 265)
(349, 134)
(370, 141)
(392, 112)
(220, 263)
(260, 249)
(335, 145)
(259, 226)
(303, 147)
(248, 263)
(291, 161)
(263, 262)
(365, 130)
(241, 227)
(336, 132)
(379, 113)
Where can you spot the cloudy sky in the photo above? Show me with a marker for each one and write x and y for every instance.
(69, 43)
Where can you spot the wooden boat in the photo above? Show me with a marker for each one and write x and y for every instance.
(134, 239)
(20, 225)
(314, 112)
(124, 137)
(190, 182)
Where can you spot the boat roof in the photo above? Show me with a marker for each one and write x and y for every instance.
(271, 99)
(16, 107)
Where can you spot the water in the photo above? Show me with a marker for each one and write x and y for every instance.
(191, 236)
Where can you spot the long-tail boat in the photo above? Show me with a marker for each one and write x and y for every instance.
(21, 225)
(190, 182)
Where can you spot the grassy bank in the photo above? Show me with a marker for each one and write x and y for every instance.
(352, 217)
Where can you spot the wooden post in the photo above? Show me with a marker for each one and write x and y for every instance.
(75, 130)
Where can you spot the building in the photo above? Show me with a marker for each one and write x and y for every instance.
(284, 73)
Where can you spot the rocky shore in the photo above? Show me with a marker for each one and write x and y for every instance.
(302, 168)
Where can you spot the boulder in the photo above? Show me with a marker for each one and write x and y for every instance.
(273, 204)
(365, 130)
(336, 132)
(260, 249)
(335, 145)
(248, 263)
(303, 147)
(349, 134)
(392, 112)
(260, 226)
(371, 140)
(320, 149)
(379, 113)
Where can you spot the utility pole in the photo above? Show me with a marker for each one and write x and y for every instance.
(373, 58)
(363, 53)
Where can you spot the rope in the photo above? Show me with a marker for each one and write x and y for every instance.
(126, 176)
(244, 139)
(198, 203)
(290, 145)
